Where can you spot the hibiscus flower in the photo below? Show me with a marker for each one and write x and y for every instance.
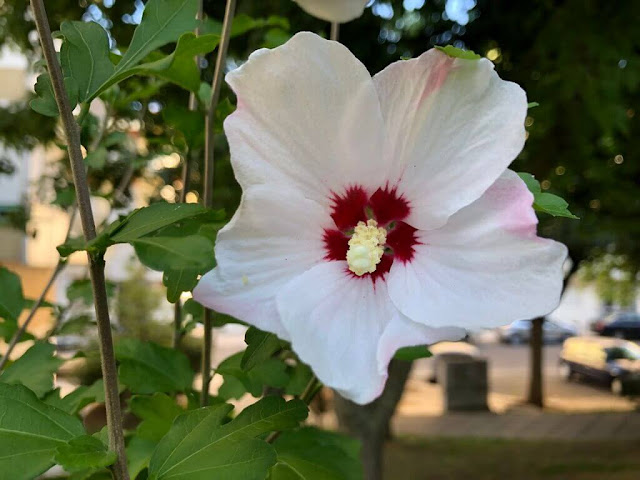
(339, 11)
(376, 213)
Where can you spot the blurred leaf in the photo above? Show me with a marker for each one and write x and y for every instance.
(459, 53)
(313, 454)
(8, 329)
(147, 368)
(75, 326)
(30, 432)
(84, 56)
(45, 101)
(84, 452)
(156, 413)
(11, 297)
(200, 444)
(79, 398)
(276, 37)
(270, 373)
(96, 159)
(139, 453)
(65, 197)
(243, 23)
(82, 290)
(260, 347)
(300, 377)
(34, 369)
(412, 353)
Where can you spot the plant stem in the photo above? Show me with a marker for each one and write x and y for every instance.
(335, 31)
(96, 263)
(307, 396)
(186, 175)
(216, 83)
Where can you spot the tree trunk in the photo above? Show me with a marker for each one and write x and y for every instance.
(536, 394)
(371, 423)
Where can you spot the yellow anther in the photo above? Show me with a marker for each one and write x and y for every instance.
(366, 247)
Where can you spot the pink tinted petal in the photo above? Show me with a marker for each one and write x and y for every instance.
(334, 10)
(453, 126)
(484, 268)
(403, 332)
(274, 236)
(335, 322)
(308, 115)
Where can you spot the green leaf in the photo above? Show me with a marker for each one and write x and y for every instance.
(96, 159)
(313, 454)
(412, 353)
(532, 105)
(180, 66)
(83, 291)
(156, 413)
(459, 53)
(260, 347)
(79, 398)
(546, 202)
(139, 453)
(84, 452)
(271, 372)
(300, 376)
(243, 23)
(84, 56)
(34, 369)
(75, 326)
(45, 101)
(553, 205)
(199, 446)
(174, 253)
(30, 432)
(150, 219)
(8, 329)
(180, 280)
(163, 22)
(72, 245)
(146, 367)
(11, 297)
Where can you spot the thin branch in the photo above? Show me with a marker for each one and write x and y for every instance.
(23, 328)
(186, 177)
(216, 83)
(335, 31)
(309, 393)
(96, 262)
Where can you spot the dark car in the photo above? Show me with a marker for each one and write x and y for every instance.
(519, 332)
(610, 361)
(619, 325)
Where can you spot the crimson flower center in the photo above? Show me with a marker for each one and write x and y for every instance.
(387, 209)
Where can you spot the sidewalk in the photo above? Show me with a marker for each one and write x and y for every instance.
(523, 425)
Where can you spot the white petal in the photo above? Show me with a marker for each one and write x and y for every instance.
(308, 114)
(453, 126)
(275, 235)
(484, 268)
(334, 10)
(403, 332)
(335, 322)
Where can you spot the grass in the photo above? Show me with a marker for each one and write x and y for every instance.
(498, 459)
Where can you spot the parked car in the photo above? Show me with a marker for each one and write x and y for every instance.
(519, 332)
(610, 361)
(620, 325)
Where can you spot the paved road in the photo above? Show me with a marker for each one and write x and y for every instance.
(508, 383)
